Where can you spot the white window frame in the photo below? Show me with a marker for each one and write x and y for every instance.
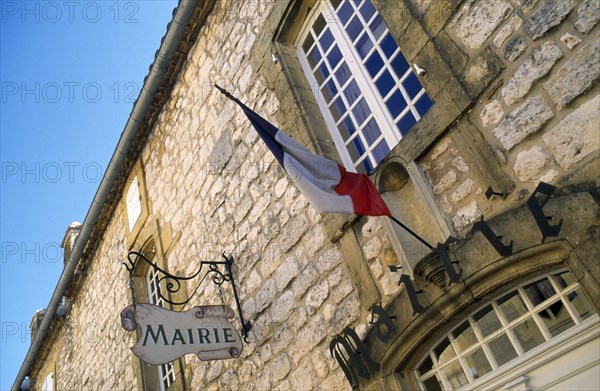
(133, 200)
(166, 372)
(369, 92)
(582, 331)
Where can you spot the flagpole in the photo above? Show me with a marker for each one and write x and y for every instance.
(410, 231)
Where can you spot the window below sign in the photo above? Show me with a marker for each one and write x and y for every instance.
(368, 93)
(515, 325)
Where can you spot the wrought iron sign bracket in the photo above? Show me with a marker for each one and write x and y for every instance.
(173, 283)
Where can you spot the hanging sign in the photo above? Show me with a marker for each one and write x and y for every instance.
(167, 335)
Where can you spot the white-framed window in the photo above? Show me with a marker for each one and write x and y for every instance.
(516, 325)
(133, 200)
(166, 372)
(368, 93)
(48, 382)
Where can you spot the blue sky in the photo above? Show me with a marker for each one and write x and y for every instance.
(69, 74)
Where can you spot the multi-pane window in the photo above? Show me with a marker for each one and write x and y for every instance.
(166, 372)
(503, 330)
(367, 91)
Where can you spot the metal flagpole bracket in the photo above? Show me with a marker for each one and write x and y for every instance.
(220, 272)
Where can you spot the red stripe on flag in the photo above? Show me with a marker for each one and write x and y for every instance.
(365, 197)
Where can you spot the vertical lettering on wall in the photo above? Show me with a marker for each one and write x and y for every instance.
(412, 294)
(442, 250)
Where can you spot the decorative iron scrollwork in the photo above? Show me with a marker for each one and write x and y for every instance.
(172, 283)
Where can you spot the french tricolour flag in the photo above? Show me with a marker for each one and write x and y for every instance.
(325, 184)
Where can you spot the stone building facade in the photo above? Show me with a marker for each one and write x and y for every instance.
(500, 172)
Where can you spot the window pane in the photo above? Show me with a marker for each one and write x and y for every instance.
(329, 90)
(389, 46)
(374, 64)
(356, 148)
(367, 10)
(556, 318)
(478, 364)
(365, 167)
(412, 85)
(444, 351)
(364, 45)
(400, 65)
(396, 104)
(464, 336)
(334, 57)
(385, 83)
(345, 12)
(502, 349)
(352, 92)
(425, 366)
(582, 305)
(432, 384)
(308, 42)
(512, 306)
(314, 57)
(320, 23)
(455, 375)
(528, 334)
(371, 131)
(487, 320)
(361, 111)
(423, 104)
(354, 28)
(377, 27)
(326, 40)
(346, 128)
(539, 291)
(406, 123)
(338, 109)
(381, 151)
(564, 279)
(343, 74)
(321, 73)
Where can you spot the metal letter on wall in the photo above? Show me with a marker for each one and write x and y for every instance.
(352, 355)
(167, 335)
(536, 206)
(494, 240)
(384, 327)
(442, 250)
(412, 294)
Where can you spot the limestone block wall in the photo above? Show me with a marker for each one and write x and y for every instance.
(539, 115)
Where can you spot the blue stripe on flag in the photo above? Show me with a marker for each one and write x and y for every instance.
(267, 132)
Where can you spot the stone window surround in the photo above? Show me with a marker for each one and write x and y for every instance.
(151, 236)
(553, 341)
(293, 91)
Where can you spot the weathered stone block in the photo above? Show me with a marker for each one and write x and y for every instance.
(549, 14)
(514, 49)
(507, 30)
(588, 15)
(481, 21)
(536, 66)
(316, 296)
(467, 215)
(530, 163)
(491, 113)
(577, 75)
(570, 40)
(577, 135)
(280, 367)
(524, 120)
(283, 307)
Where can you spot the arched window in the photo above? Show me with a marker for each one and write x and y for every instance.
(517, 327)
